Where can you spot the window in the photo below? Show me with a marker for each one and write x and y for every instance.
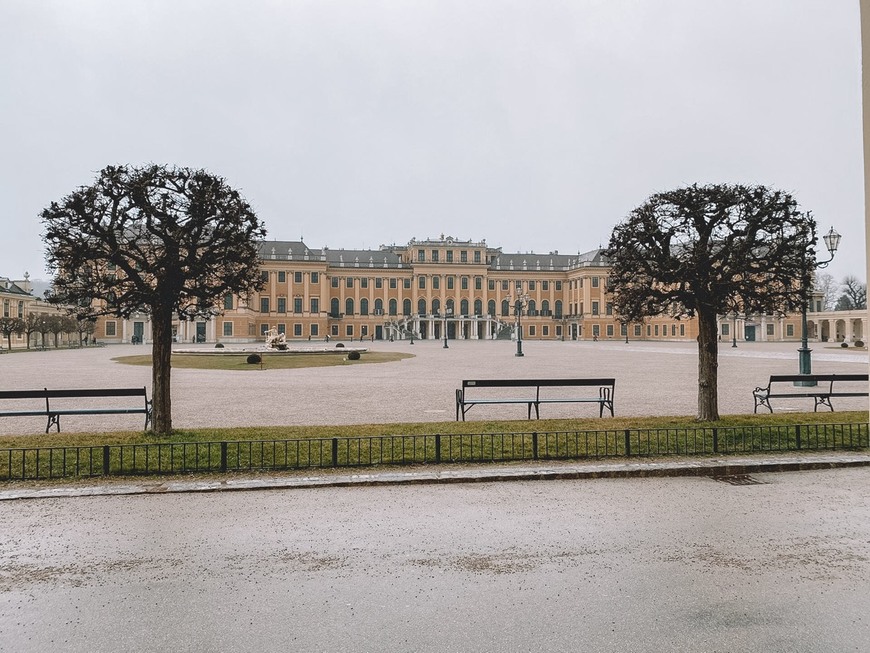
(282, 304)
(623, 329)
(532, 309)
(297, 278)
(490, 307)
(421, 255)
(683, 329)
(434, 255)
(364, 282)
(491, 284)
(558, 331)
(648, 330)
(594, 282)
(264, 304)
(315, 330)
(20, 309)
(531, 329)
(532, 285)
(315, 305)
(379, 307)
(421, 307)
(111, 328)
(464, 283)
(545, 330)
(297, 304)
(228, 328)
(348, 283)
(263, 329)
(348, 306)
(769, 330)
(789, 330)
(335, 282)
(608, 308)
(545, 308)
(558, 306)
(595, 309)
(364, 306)
(450, 282)
(379, 282)
(450, 307)
(478, 283)
(315, 278)
(282, 328)
(406, 283)
(394, 307)
(228, 302)
(463, 256)
(673, 329)
(334, 329)
(656, 329)
(264, 276)
(596, 330)
(297, 330)
(333, 307)
(478, 307)
(477, 257)
(545, 285)
(558, 285)
(406, 307)
(421, 283)
(726, 329)
(349, 330)
(436, 283)
(436, 306)
(463, 307)
(504, 285)
(450, 256)
(282, 276)
(609, 330)
(505, 307)
(393, 283)
(638, 329)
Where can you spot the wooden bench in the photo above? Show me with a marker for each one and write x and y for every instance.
(52, 406)
(530, 394)
(821, 387)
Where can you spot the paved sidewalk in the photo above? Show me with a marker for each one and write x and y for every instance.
(550, 470)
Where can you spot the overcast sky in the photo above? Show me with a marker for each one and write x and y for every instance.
(534, 124)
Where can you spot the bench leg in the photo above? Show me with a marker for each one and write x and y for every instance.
(823, 400)
(53, 419)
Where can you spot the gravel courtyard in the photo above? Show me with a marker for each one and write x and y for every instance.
(651, 379)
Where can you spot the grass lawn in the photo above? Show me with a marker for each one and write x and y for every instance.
(271, 361)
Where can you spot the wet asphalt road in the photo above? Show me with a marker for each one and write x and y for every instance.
(666, 564)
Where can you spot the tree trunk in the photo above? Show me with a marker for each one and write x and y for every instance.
(161, 352)
(708, 367)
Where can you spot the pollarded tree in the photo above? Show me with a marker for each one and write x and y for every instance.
(10, 326)
(710, 250)
(167, 241)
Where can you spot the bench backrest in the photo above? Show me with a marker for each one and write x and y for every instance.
(527, 383)
(23, 394)
(794, 378)
(95, 392)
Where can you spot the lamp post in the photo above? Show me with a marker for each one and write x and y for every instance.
(805, 362)
(519, 302)
(446, 311)
(625, 325)
(734, 329)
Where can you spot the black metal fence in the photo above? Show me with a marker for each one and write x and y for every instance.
(174, 458)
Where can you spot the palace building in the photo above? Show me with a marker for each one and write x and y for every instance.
(427, 288)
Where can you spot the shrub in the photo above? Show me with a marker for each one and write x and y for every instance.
(844, 344)
(253, 359)
(219, 345)
(353, 355)
(339, 344)
(859, 343)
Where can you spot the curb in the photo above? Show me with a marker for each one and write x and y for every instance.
(701, 468)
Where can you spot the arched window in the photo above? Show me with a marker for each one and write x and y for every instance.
(545, 307)
(478, 307)
(348, 306)
(532, 307)
(379, 307)
(490, 307)
(505, 307)
(394, 305)
(558, 308)
(463, 307)
(450, 306)
(333, 306)
(436, 306)
(364, 306)
(421, 306)
(406, 307)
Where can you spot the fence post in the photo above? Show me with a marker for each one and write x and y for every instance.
(535, 445)
(437, 448)
(797, 436)
(715, 440)
(223, 456)
(335, 452)
(627, 442)
(105, 460)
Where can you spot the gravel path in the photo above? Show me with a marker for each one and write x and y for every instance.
(651, 379)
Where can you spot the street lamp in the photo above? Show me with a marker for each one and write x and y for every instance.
(734, 329)
(625, 326)
(446, 311)
(805, 362)
(519, 302)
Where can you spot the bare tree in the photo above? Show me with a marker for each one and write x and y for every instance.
(854, 294)
(828, 287)
(10, 326)
(706, 251)
(32, 324)
(167, 241)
